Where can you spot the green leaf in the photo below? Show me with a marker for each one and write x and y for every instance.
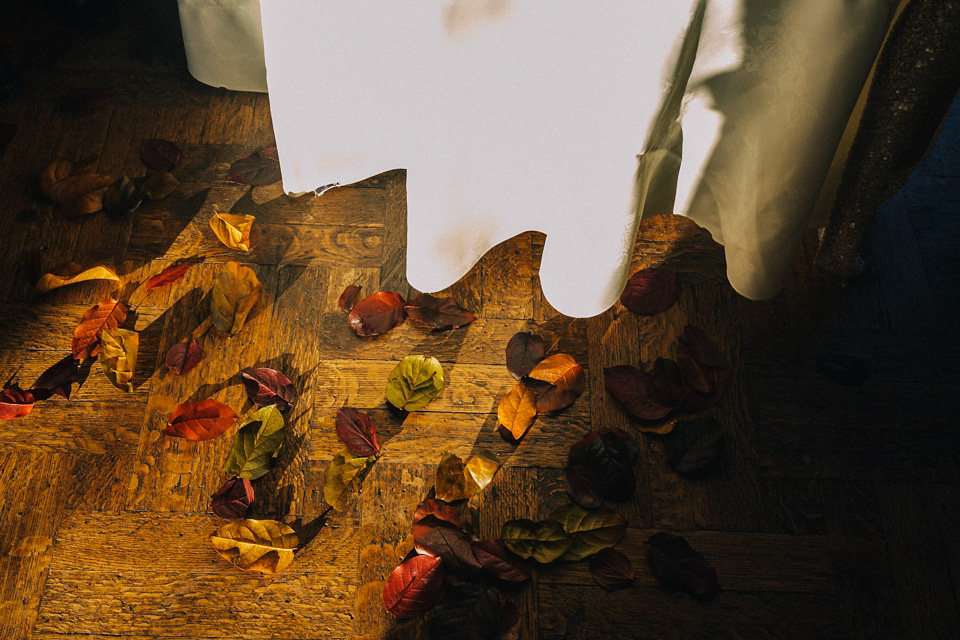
(589, 530)
(543, 541)
(414, 382)
(256, 445)
(343, 475)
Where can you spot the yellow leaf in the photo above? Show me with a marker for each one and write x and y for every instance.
(456, 481)
(266, 546)
(233, 230)
(343, 474)
(71, 274)
(481, 468)
(118, 356)
(517, 411)
(234, 294)
(414, 382)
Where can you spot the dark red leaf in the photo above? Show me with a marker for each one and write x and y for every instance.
(600, 466)
(14, 401)
(413, 587)
(650, 291)
(258, 169)
(701, 348)
(58, 379)
(268, 386)
(495, 560)
(442, 511)
(183, 356)
(467, 612)
(160, 154)
(7, 131)
(524, 351)
(611, 569)
(348, 297)
(839, 367)
(168, 276)
(678, 566)
(435, 537)
(86, 99)
(233, 499)
(377, 314)
(667, 382)
(202, 420)
(693, 445)
(635, 390)
(439, 313)
(356, 430)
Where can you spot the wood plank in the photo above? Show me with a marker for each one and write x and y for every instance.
(508, 279)
(97, 426)
(393, 265)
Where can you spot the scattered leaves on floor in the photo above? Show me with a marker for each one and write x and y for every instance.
(71, 274)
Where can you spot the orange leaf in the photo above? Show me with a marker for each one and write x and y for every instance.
(71, 274)
(108, 314)
(203, 420)
(168, 276)
(233, 230)
(566, 381)
(517, 411)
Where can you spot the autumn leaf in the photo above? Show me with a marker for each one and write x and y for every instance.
(442, 511)
(257, 443)
(235, 293)
(377, 314)
(202, 420)
(694, 444)
(524, 351)
(516, 412)
(343, 476)
(266, 546)
(438, 313)
(650, 291)
(467, 611)
(590, 530)
(458, 481)
(600, 467)
(72, 274)
(159, 185)
(233, 230)
(413, 587)
(160, 154)
(183, 356)
(611, 569)
(435, 537)
(348, 297)
(57, 379)
(356, 430)
(106, 314)
(233, 499)
(701, 348)
(678, 566)
(259, 169)
(414, 382)
(566, 380)
(74, 186)
(495, 561)
(85, 99)
(266, 386)
(168, 276)
(14, 401)
(636, 391)
(480, 469)
(121, 198)
(543, 541)
(118, 356)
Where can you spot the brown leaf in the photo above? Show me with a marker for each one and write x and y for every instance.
(266, 546)
(612, 569)
(438, 313)
(494, 559)
(183, 356)
(72, 274)
(650, 291)
(678, 566)
(202, 420)
(348, 297)
(377, 314)
(442, 511)
(566, 380)
(77, 186)
(159, 185)
(694, 444)
(168, 276)
(356, 430)
(435, 537)
(635, 390)
(57, 170)
(118, 356)
(701, 348)
(235, 293)
(106, 314)
(600, 467)
(159, 154)
(268, 386)
(516, 412)
(233, 499)
(233, 230)
(14, 401)
(413, 587)
(258, 169)
(524, 352)
(57, 379)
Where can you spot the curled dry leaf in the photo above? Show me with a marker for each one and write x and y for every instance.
(14, 401)
(600, 467)
(348, 297)
(259, 169)
(118, 356)
(233, 499)
(589, 530)
(435, 537)
(202, 420)
(678, 566)
(159, 185)
(495, 561)
(106, 314)
(456, 481)
(343, 476)
(74, 186)
(612, 569)
(468, 611)
(442, 511)
(233, 230)
(543, 541)
(650, 291)
(414, 382)
(183, 356)
(268, 386)
(357, 431)
(122, 198)
(72, 274)
(257, 443)
(693, 445)
(413, 587)
(524, 351)
(235, 293)
(168, 276)
(266, 546)
(377, 314)
(160, 154)
(57, 379)
(516, 412)
(438, 313)
(565, 378)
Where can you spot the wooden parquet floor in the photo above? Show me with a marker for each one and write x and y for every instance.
(833, 513)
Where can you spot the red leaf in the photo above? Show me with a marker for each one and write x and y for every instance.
(650, 291)
(441, 511)
(377, 314)
(168, 276)
(258, 169)
(14, 402)
(524, 351)
(108, 314)
(493, 557)
(635, 390)
(439, 313)
(58, 379)
(160, 154)
(183, 356)
(85, 100)
(268, 386)
(203, 420)
(435, 537)
(611, 569)
(233, 499)
(348, 297)
(678, 566)
(356, 430)
(413, 587)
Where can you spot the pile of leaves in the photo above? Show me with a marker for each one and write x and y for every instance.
(545, 384)
(380, 312)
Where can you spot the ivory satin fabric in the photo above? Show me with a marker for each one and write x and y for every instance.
(516, 115)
